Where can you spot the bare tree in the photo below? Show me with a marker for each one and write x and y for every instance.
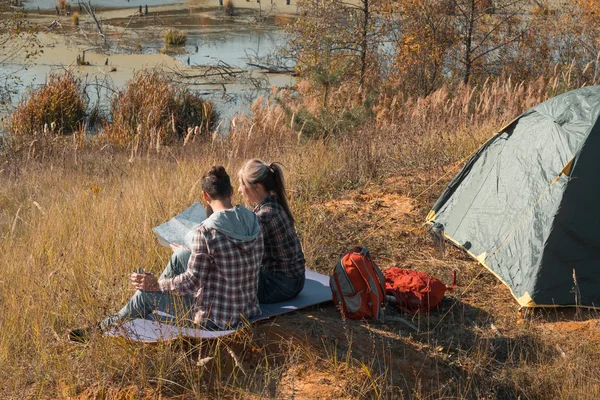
(343, 35)
(484, 28)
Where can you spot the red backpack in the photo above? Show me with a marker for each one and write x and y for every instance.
(415, 291)
(358, 286)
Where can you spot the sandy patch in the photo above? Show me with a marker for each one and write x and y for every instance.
(130, 12)
(59, 52)
(303, 383)
(271, 6)
(386, 205)
(589, 328)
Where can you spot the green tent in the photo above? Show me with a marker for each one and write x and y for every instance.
(524, 205)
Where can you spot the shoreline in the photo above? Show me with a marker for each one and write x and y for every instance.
(273, 7)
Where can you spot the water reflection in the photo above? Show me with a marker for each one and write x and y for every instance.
(234, 47)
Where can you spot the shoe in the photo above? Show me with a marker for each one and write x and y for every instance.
(82, 335)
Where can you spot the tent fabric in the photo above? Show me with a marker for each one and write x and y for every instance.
(316, 290)
(523, 205)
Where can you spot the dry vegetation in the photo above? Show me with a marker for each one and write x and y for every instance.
(175, 37)
(46, 114)
(60, 102)
(152, 110)
(75, 224)
(63, 5)
(229, 8)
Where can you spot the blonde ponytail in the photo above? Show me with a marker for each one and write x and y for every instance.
(270, 176)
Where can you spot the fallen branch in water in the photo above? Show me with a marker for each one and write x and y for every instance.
(272, 70)
(222, 69)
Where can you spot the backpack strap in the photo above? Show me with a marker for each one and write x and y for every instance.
(365, 251)
(377, 291)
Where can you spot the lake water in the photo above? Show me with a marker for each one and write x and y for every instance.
(233, 47)
(208, 44)
(50, 4)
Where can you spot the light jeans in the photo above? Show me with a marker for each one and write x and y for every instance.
(143, 304)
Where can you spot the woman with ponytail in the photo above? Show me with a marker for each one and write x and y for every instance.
(214, 283)
(282, 274)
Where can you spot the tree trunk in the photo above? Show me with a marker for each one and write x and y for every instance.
(469, 43)
(363, 50)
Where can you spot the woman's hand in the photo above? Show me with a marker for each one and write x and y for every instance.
(175, 246)
(146, 282)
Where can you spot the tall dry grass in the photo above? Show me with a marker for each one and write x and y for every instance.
(58, 106)
(77, 233)
(152, 110)
(175, 37)
(72, 232)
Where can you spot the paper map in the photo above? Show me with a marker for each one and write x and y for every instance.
(180, 228)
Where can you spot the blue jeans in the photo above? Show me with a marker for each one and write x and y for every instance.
(142, 304)
(274, 287)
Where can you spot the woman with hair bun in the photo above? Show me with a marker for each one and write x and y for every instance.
(214, 283)
(281, 276)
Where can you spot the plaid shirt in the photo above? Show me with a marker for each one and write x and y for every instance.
(283, 252)
(222, 275)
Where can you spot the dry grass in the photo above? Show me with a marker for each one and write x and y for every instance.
(60, 102)
(47, 113)
(152, 111)
(175, 37)
(73, 230)
(229, 8)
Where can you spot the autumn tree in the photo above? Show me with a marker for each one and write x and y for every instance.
(585, 15)
(547, 41)
(338, 37)
(560, 40)
(426, 35)
(444, 41)
(583, 20)
(458, 40)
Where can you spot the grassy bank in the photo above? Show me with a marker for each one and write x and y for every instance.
(74, 225)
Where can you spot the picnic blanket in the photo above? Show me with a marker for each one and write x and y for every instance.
(316, 290)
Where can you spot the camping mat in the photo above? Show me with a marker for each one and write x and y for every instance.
(316, 290)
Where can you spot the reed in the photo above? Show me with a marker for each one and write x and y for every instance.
(175, 37)
(229, 8)
(45, 114)
(152, 111)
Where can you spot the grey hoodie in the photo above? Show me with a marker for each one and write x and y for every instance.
(238, 223)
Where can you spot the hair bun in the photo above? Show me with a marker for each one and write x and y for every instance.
(218, 171)
(217, 183)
